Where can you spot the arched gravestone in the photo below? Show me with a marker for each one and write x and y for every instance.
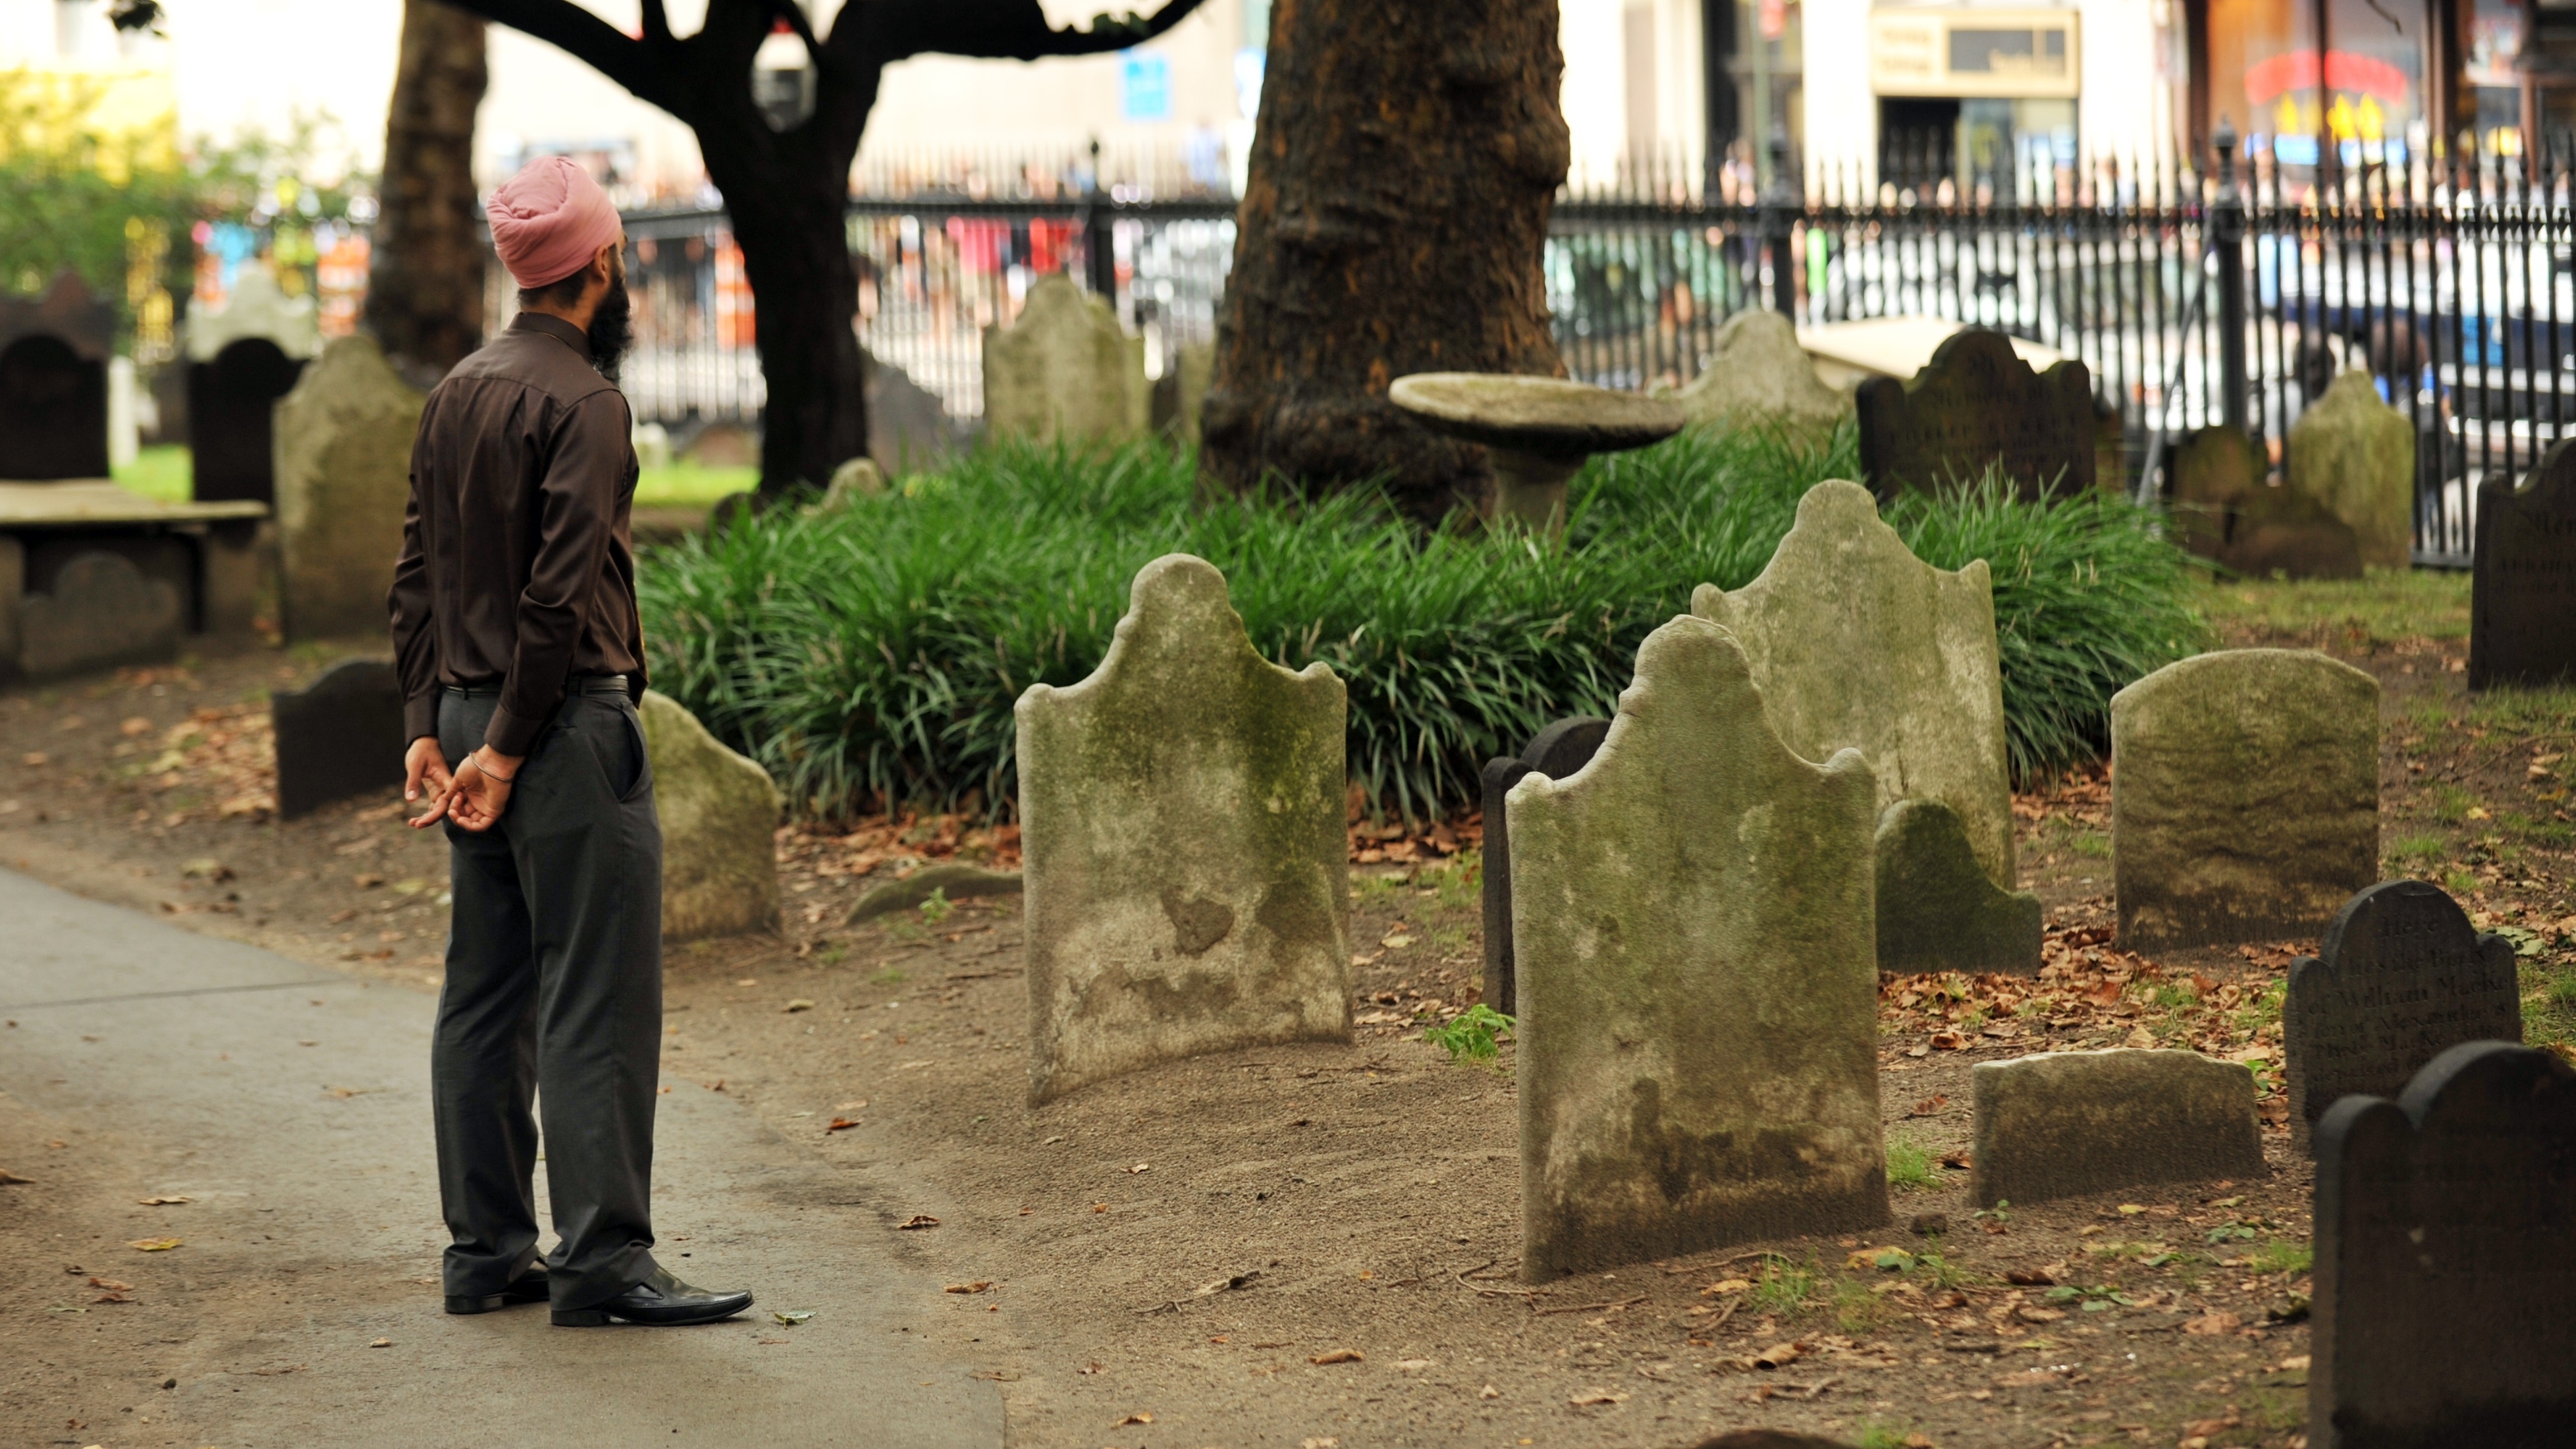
(2444, 1262)
(2400, 977)
(1064, 370)
(2226, 509)
(1556, 752)
(1975, 405)
(1691, 915)
(231, 439)
(53, 383)
(2522, 597)
(242, 357)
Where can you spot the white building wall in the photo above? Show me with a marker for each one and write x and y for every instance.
(1594, 95)
(1841, 108)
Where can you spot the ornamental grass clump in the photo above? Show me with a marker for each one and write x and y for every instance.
(872, 653)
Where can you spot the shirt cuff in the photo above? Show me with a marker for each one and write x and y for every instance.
(512, 734)
(420, 717)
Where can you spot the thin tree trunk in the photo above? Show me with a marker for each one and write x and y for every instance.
(1402, 173)
(425, 275)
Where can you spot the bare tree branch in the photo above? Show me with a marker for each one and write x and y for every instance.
(657, 23)
(890, 30)
(587, 38)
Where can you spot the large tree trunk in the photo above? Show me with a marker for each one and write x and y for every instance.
(1402, 173)
(425, 274)
(787, 195)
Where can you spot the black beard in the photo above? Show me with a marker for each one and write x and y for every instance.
(612, 330)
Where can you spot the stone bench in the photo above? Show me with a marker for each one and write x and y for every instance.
(93, 576)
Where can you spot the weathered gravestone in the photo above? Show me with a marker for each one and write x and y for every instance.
(1181, 392)
(243, 357)
(54, 352)
(1758, 376)
(2400, 977)
(1691, 920)
(1065, 370)
(2445, 1268)
(97, 610)
(1556, 752)
(2244, 797)
(2354, 456)
(909, 429)
(1977, 406)
(719, 815)
(2226, 509)
(2522, 597)
(2068, 1123)
(1855, 642)
(1182, 844)
(343, 473)
(342, 735)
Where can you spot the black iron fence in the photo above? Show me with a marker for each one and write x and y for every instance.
(2195, 299)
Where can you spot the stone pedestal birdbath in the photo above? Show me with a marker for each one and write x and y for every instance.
(1537, 429)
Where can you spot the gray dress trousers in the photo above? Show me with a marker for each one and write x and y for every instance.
(553, 995)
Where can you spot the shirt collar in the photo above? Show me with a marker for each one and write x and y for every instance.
(554, 327)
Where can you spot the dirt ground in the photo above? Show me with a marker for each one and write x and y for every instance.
(1313, 1245)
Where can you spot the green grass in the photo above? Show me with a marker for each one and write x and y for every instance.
(162, 471)
(2414, 855)
(1909, 1165)
(2382, 607)
(873, 654)
(1782, 1287)
(2280, 1255)
(687, 484)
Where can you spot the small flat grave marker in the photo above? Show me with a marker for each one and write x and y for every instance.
(2068, 1123)
(2444, 1263)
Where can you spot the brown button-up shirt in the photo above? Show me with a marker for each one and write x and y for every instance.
(518, 570)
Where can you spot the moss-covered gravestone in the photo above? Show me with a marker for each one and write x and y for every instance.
(1064, 370)
(1758, 376)
(1697, 984)
(344, 439)
(2244, 797)
(2355, 456)
(2400, 977)
(2522, 599)
(719, 815)
(1855, 642)
(2444, 1262)
(1182, 842)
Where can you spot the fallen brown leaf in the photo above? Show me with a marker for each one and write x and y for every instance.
(112, 1286)
(841, 1124)
(154, 1245)
(7, 1177)
(978, 1286)
(1139, 1417)
(2213, 1325)
(2028, 1277)
(2028, 1314)
(1339, 1355)
(1778, 1355)
(917, 1220)
(1590, 1397)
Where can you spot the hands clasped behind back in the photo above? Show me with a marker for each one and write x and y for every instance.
(472, 797)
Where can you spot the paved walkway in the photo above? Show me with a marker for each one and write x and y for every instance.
(291, 1106)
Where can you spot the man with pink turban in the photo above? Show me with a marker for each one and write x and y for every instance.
(522, 660)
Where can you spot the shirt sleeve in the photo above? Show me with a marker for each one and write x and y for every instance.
(415, 634)
(577, 504)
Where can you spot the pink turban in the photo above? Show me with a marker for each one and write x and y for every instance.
(549, 220)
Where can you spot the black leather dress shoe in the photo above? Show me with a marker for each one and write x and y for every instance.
(660, 1301)
(528, 1287)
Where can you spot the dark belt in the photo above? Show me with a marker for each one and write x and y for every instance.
(603, 684)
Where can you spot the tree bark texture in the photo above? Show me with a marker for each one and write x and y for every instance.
(1407, 156)
(787, 192)
(425, 271)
